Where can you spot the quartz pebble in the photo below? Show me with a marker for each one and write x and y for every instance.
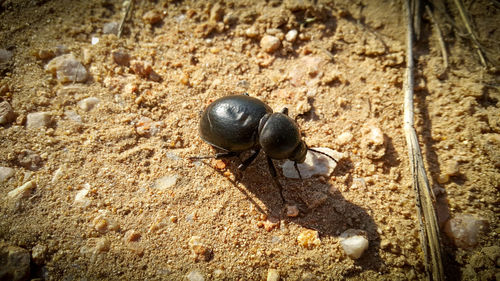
(272, 275)
(291, 35)
(88, 103)
(354, 243)
(38, 120)
(166, 182)
(22, 191)
(315, 164)
(345, 138)
(7, 115)
(110, 28)
(6, 173)
(132, 236)
(104, 224)
(269, 43)
(67, 69)
(309, 238)
(373, 142)
(14, 263)
(464, 230)
(81, 196)
(5, 55)
(195, 275)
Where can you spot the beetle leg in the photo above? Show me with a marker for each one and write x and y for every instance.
(297, 169)
(249, 160)
(219, 155)
(274, 175)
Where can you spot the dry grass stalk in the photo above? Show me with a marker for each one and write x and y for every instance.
(429, 229)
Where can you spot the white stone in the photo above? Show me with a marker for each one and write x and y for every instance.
(464, 230)
(345, 138)
(94, 40)
(88, 103)
(22, 191)
(166, 182)
(273, 275)
(6, 113)
(376, 136)
(291, 35)
(315, 164)
(58, 174)
(354, 243)
(67, 69)
(195, 275)
(38, 119)
(6, 173)
(110, 28)
(81, 196)
(270, 43)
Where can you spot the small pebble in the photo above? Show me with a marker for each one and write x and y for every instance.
(152, 17)
(273, 275)
(376, 136)
(195, 275)
(39, 253)
(14, 263)
(73, 116)
(291, 35)
(121, 57)
(269, 43)
(6, 173)
(29, 160)
(58, 174)
(464, 230)
(132, 236)
(354, 243)
(110, 28)
(251, 32)
(166, 182)
(81, 196)
(67, 69)
(315, 164)
(309, 238)
(199, 251)
(7, 114)
(102, 245)
(22, 191)
(5, 55)
(103, 224)
(88, 103)
(345, 138)
(292, 211)
(269, 224)
(216, 13)
(38, 120)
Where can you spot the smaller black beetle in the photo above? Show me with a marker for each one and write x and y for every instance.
(238, 123)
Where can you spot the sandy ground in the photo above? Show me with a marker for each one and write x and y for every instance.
(112, 195)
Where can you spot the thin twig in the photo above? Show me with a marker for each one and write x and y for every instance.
(128, 4)
(467, 24)
(429, 229)
(444, 52)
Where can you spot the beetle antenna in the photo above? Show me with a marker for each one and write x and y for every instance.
(321, 152)
(284, 110)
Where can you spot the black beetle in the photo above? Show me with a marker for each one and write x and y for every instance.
(238, 123)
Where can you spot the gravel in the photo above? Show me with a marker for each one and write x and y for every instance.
(354, 243)
(38, 120)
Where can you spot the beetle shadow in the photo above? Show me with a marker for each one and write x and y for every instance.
(322, 206)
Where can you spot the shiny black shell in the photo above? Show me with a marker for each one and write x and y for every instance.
(279, 136)
(231, 123)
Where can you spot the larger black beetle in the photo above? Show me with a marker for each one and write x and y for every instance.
(238, 123)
